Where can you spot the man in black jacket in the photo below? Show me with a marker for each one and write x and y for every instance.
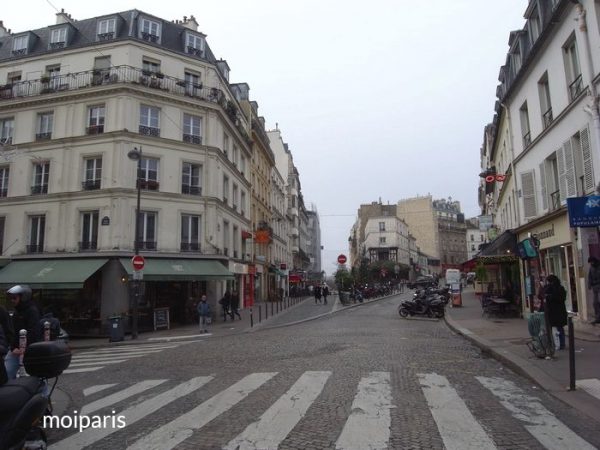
(27, 317)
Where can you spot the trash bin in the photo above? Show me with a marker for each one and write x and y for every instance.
(116, 329)
(344, 297)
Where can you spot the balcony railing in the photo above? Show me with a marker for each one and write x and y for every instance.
(149, 131)
(55, 45)
(547, 117)
(554, 200)
(191, 190)
(90, 185)
(527, 139)
(194, 51)
(106, 36)
(576, 87)
(147, 245)
(149, 185)
(78, 81)
(190, 246)
(34, 248)
(39, 189)
(3, 193)
(43, 136)
(88, 245)
(192, 139)
(95, 129)
(149, 37)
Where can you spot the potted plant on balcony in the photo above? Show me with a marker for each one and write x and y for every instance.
(45, 79)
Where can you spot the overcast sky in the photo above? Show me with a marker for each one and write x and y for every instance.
(376, 99)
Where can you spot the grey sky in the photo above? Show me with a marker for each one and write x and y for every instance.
(379, 99)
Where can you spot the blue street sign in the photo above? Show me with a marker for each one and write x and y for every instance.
(584, 211)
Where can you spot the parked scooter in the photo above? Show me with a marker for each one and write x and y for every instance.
(23, 402)
(432, 305)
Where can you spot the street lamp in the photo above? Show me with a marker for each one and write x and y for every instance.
(136, 155)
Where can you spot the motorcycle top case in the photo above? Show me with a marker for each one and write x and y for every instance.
(47, 359)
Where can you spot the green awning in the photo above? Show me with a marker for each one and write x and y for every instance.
(277, 271)
(156, 269)
(50, 273)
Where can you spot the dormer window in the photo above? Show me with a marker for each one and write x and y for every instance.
(20, 45)
(516, 60)
(195, 45)
(150, 30)
(58, 38)
(107, 29)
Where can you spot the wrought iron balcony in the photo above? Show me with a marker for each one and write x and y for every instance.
(547, 117)
(149, 185)
(21, 51)
(554, 200)
(43, 136)
(149, 37)
(147, 245)
(192, 139)
(88, 245)
(527, 139)
(194, 51)
(34, 248)
(39, 189)
(190, 246)
(3, 193)
(106, 36)
(90, 185)
(55, 45)
(576, 87)
(149, 131)
(191, 190)
(95, 129)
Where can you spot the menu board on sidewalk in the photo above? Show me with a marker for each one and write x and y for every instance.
(161, 318)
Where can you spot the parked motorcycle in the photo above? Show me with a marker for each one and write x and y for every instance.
(23, 401)
(429, 306)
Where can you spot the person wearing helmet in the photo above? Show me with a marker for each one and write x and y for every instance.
(26, 316)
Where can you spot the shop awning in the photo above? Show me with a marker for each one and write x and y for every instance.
(157, 269)
(503, 245)
(277, 271)
(50, 273)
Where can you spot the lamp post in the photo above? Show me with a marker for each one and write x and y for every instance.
(136, 155)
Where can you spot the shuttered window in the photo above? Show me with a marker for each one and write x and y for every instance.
(528, 191)
(543, 183)
(571, 182)
(586, 152)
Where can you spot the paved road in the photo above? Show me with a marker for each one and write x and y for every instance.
(361, 378)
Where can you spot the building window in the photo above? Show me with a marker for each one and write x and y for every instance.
(95, 120)
(7, 127)
(150, 67)
(149, 121)
(382, 240)
(58, 37)
(191, 179)
(545, 103)
(53, 78)
(573, 71)
(234, 196)
(148, 230)
(234, 155)
(89, 231)
(2, 224)
(194, 44)
(106, 29)
(192, 84)
(149, 174)
(242, 164)
(192, 129)
(243, 203)
(20, 45)
(225, 189)
(226, 238)
(226, 145)
(101, 72)
(381, 226)
(190, 233)
(516, 60)
(535, 25)
(41, 173)
(37, 225)
(44, 126)
(4, 172)
(150, 30)
(236, 240)
(525, 130)
(92, 173)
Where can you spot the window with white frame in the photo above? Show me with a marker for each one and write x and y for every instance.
(2, 225)
(191, 179)
(89, 230)
(535, 25)
(572, 68)
(225, 145)
(20, 44)
(226, 238)
(148, 232)
(234, 196)
(4, 173)
(95, 119)
(194, 44)
(149, 173)
(41, 174)
(382, 240)
(106, 29)
(192, 129)
(242, 203)
(7, 127)
(192, 84)
(242, 164)
(149, 120)
(37, 225)
(515, 56)
(225, 189)
(525, 130)
(234, 155)
(236, 240)
(545, 103)
(53, 76)
(92, 173)
(381, 226)
(190, 232)
(150, 30)
(45, 122)
(58, 37)
(150, 67)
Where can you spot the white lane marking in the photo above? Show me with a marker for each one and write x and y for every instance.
(93, 363)
(277, 422)
(83, 369)
(131, 415)
(179, 337)
(172, 434)
(591, 386)
(94, 389)
(118, 351)
(541, 423)
(116, 355)
(368, 426)
(457, 426)
(112, 399)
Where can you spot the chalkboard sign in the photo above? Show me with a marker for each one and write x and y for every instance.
(161, 318)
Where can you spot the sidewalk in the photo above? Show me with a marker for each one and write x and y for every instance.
(505, 339)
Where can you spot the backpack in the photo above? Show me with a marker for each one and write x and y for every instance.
(54, 326)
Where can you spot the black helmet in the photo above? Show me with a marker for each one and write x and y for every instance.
(21, 289)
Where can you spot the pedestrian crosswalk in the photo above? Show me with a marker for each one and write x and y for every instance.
(368, 423)
(92, 360)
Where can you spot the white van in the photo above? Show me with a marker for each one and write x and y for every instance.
(452, 277)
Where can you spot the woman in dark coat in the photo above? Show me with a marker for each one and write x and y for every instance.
(555, 296)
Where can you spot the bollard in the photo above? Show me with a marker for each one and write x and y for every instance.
(46, 331)
(259, 313)
(22, 346)
(571, 354)
(251, 319)
(271, 309)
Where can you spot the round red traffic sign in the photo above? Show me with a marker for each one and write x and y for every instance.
(137, 262)
(342, 259)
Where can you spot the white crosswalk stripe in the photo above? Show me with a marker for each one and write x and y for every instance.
(368, 425)
(540, 422)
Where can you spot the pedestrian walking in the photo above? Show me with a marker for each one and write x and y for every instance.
(234, 305)
(225, 302)
(317, 292)
(555, 297)
(204, 314)
(325, 293)
(593, 283)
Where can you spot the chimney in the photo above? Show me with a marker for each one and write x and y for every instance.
(63, 17)
(190, 23)
(3, 30)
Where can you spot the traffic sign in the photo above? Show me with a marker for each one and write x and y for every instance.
(342, 259)
(137, 262)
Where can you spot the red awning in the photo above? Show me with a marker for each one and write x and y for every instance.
(295, 279)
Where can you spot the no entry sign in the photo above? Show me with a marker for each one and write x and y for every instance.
(342, 259)
(137, 262)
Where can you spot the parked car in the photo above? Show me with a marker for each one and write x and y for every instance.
(422, 282)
